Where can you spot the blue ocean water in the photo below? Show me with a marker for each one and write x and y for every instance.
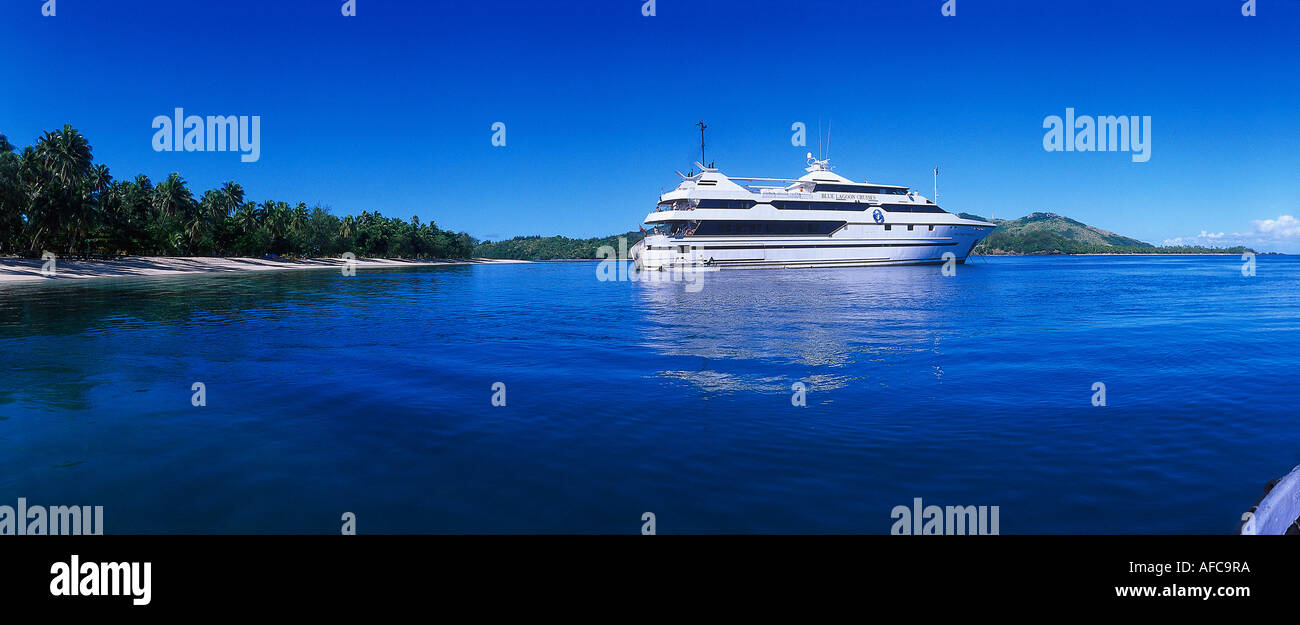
(373, 394)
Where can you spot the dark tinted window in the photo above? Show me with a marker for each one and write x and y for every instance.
(724, 228)
(819, 206)
(858, 188)
(913, 208)
(726, 204)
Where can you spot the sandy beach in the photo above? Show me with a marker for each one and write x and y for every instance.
(29, 270)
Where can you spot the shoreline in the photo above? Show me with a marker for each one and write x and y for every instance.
(26, 270)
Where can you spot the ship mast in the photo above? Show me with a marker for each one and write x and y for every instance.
(702, 127)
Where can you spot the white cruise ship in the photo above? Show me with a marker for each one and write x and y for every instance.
(818, 220)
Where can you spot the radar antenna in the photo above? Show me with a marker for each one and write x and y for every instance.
(818, 164)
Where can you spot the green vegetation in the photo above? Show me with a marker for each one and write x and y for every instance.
(1049, 233)
(53, 197)
(550, 248)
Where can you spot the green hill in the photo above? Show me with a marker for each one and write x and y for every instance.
(1049, 233)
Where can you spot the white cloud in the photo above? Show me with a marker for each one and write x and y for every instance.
(1267, 235)
(1284, 227)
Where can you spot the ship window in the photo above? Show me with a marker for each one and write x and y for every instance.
(819, 206)
(671, 227)
(931, 228)
(909, 227)
(726, 204)
(913, 208)
(888, 227)
(725, 228)
(855, 188)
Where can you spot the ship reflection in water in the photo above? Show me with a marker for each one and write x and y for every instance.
(763, 330)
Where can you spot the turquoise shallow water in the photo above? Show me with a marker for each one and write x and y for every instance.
(373, 394)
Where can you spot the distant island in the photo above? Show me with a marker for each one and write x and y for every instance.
(551, 248)
(1049, 233)
(1031, 235)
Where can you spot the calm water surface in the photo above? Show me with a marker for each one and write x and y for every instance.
(372, 394)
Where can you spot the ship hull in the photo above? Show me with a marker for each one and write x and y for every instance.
(852, 248)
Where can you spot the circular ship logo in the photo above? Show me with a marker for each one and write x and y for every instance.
(878, 216)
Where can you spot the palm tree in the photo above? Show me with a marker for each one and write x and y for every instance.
(65, 155)
(138, 197)
(11, 197)
(212, 212)
(195, 225)
(172, 197)
(277, 219)
(299, 216)
(144, 183)
(232, 197)
(86, 209)
(347, 227)
(174, 203)
(56, 170)
(247, 218)
(269, 216)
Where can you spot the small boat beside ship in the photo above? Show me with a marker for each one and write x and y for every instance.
(1278, 510)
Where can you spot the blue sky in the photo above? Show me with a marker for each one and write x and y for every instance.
(392, 110)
